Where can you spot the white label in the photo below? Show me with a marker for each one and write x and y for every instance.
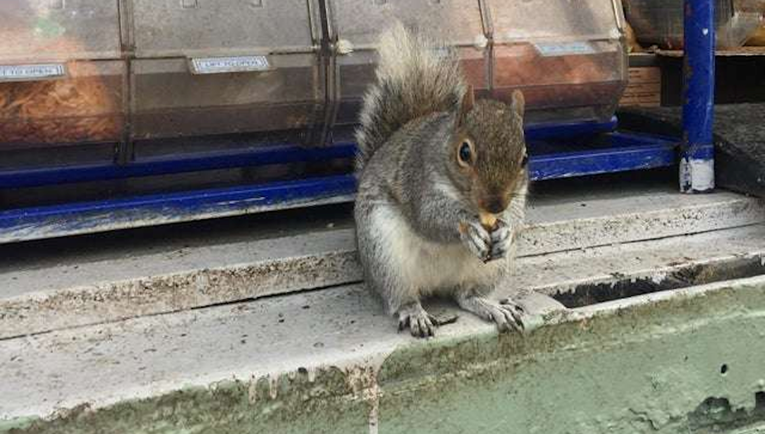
(31, 72)
(563, 49)
(220, 65)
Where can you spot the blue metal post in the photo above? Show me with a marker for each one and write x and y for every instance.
(697, 157)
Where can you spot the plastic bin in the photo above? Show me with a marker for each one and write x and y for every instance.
(355, 26)
(568, 57)
(58, 86)
(206, 67)
(660, 22)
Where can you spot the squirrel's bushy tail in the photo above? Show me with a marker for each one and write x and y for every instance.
(416, 76)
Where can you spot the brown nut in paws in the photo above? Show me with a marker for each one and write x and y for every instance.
(488, 221)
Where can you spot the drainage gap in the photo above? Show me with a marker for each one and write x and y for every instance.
(716, 415)
(683, 276)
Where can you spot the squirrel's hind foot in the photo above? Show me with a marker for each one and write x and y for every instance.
(507, 315)
(420, 322)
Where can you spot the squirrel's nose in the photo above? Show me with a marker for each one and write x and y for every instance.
(495, 205)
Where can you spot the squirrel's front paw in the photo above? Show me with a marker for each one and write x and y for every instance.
(477, 239)
(502, 239)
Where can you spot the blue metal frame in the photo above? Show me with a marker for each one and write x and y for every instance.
(697, 157)
(569, 129)
(256, 156)
(622, 152)
(90, 217)
(171, 165)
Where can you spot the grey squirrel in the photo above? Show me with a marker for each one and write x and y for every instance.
(442, 184)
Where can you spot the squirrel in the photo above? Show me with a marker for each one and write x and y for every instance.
(442, 183)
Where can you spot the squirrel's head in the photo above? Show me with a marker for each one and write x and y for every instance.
(488, 152)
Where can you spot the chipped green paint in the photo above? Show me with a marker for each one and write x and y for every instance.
(17, 424)
(645, 369)
(685, 365)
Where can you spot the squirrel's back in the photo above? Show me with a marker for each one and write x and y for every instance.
(416, 76)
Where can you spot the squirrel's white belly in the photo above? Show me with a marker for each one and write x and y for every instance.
(424, 266)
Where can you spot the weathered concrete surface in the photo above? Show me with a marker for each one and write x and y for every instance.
(126, 278)
(330, 361)
(680, 361)
(648, 266)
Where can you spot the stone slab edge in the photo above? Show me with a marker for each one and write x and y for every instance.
(679, 361)
(39, 312)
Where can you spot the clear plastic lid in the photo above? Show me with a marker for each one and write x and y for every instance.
(194, 27)
(356, 27)
(532, 20)
(359, 23)
(60, 30)
(566, 56)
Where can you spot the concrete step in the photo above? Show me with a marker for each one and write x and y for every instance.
(260, 361)
(95, 279)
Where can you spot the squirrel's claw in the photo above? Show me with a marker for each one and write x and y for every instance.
(421, 324)
(507, 315)
(516, 313)
(477, 240)
(501, 240)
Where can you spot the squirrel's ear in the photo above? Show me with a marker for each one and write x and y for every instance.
(468, 101)
(518, 103)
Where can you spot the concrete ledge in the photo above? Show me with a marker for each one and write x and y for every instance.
(327, 362)
(124, 282)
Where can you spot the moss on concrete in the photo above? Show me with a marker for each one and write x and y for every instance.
(290, 404)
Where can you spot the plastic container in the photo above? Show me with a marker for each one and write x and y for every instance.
(660, 22)
(757, 38)
(58, 86)
(568, 57)
(355, 26)
(206, 67)
(73, 71)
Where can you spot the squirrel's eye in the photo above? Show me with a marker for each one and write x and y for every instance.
(525, 161)
(465, 154)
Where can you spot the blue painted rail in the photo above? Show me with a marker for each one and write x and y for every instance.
(697, 158)
(612, 152)
(255, 156)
